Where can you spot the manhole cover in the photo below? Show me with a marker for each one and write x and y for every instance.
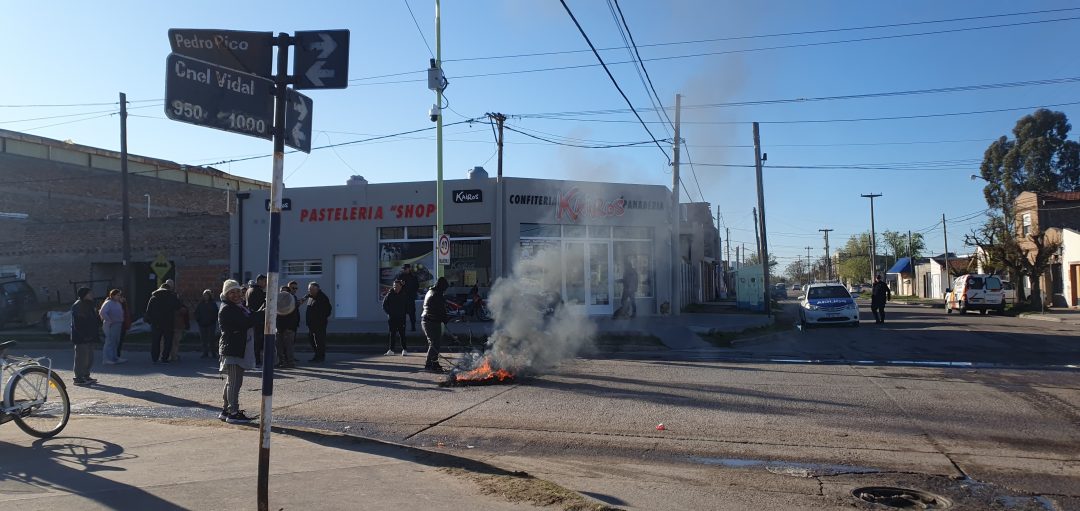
(900, 498)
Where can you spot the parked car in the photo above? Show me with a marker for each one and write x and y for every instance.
(975, 291)
(827, 303)
(779, 292)
(17, 301)
(796, 287)
(1008, 290)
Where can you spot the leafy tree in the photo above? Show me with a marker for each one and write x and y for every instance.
(855, 258)
(897, 244)
(1039, 159)
(796, 271)
(753, 259)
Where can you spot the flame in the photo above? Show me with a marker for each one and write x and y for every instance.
(484, 372)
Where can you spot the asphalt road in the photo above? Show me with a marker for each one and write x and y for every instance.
(740, 429)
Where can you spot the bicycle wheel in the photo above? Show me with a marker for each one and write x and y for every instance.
(41, 403)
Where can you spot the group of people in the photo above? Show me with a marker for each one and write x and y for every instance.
(399, 304)
(239, 317)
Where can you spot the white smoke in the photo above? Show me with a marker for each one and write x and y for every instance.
(533, 329)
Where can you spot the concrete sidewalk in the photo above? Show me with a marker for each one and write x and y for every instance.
(1057, 315)
(130, 463)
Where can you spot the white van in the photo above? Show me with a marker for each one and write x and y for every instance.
(975, 291)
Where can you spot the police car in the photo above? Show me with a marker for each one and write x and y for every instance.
(825, 303)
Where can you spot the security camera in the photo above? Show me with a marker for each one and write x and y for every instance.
(434, 112)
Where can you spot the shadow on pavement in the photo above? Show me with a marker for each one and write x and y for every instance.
(68, 464)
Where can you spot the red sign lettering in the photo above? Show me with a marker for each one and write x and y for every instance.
(574, 206)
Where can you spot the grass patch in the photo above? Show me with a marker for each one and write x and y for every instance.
(521, 487)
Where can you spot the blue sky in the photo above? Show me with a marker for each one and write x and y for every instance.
(87, 52)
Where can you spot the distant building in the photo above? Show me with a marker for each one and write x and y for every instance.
(60, 219)
(1051, 212)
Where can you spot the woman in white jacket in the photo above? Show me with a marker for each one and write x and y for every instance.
(112, 317)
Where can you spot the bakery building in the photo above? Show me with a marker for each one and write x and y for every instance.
(352, 239)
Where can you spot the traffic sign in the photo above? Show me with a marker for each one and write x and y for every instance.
(321, 59)
(251, 52)
(444, 250)
(206, 94)
(298, 121)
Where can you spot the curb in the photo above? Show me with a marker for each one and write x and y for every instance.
(1043, 317)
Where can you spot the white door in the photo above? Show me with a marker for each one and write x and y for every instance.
(345, 294)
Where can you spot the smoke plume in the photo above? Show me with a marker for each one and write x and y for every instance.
(533, 328)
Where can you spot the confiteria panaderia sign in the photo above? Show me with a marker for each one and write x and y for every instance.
(575, 205)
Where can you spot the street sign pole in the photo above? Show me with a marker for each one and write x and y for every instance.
(270, 318)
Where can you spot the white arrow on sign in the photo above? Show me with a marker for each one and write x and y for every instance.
(316, 73)
(325, 47)
(301, 114)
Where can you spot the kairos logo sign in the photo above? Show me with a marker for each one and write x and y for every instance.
(468, 196)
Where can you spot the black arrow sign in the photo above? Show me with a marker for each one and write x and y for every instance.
(321, 59)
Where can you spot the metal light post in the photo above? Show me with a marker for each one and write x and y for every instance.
(147, 195)
(873, 236)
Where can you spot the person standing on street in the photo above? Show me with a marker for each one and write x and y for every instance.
(628, 309)
(432, 321)
(236, 350)
(85, 325)
(161, 314)
(288, 320)
(255, 300)
(410, 286)
(181, 325)
(395, 307)
(317, 317)
(126, 324)
(878, 296)
(206, 313)
(112, 318)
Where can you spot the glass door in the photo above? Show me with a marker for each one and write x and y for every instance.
(600, 283)
(576, 294)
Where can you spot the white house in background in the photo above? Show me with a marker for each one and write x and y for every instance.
(1070, 264)
(931, 280)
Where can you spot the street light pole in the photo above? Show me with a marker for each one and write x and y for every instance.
(873, 236)
(828, 259)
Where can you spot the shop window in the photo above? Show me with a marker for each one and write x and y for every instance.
(539, 231)
(468, 230)
(391, 233)
(599, 231)
(470, 263)
(393, 254)
(574, 231)
(632, 233)
(302, 268)
(420, 232)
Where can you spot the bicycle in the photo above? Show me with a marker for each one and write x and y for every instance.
(34, 396)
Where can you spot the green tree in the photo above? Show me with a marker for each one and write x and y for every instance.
(1040, 158)
(755, 260)
(854, 258)
(897, 244)
(796, 271)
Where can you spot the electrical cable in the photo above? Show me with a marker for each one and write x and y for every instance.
(67, 105)
(609, 146)
(422, 36)
(612, 77)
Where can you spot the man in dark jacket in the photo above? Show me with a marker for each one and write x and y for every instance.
(432, 321)
(206, 313)
(255, 300)
(161, 314)
(410, 286)
(288, 320)
(85, 328)
(317, 317)
(878, 296)
(395, 305)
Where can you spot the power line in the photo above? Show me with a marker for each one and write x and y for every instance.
(66, 105)
(762, 36)
(609, 146)
(939, 90)
(818, 121)
(612, 77)
(407, 6)
(724, 52)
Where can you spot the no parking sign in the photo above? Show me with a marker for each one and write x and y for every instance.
(443, 250)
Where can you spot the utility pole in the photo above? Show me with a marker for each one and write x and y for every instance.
(719, 246)
(948, 272)
(828, 258)
(675, 227)
(764, 248)
(727, 236)
(125, 223)
(757, 233)
(808, 249)
(911, 261)
(439, 227)
(873, 236)
(500, 201)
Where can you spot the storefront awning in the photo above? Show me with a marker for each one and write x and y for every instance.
(903, 265)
